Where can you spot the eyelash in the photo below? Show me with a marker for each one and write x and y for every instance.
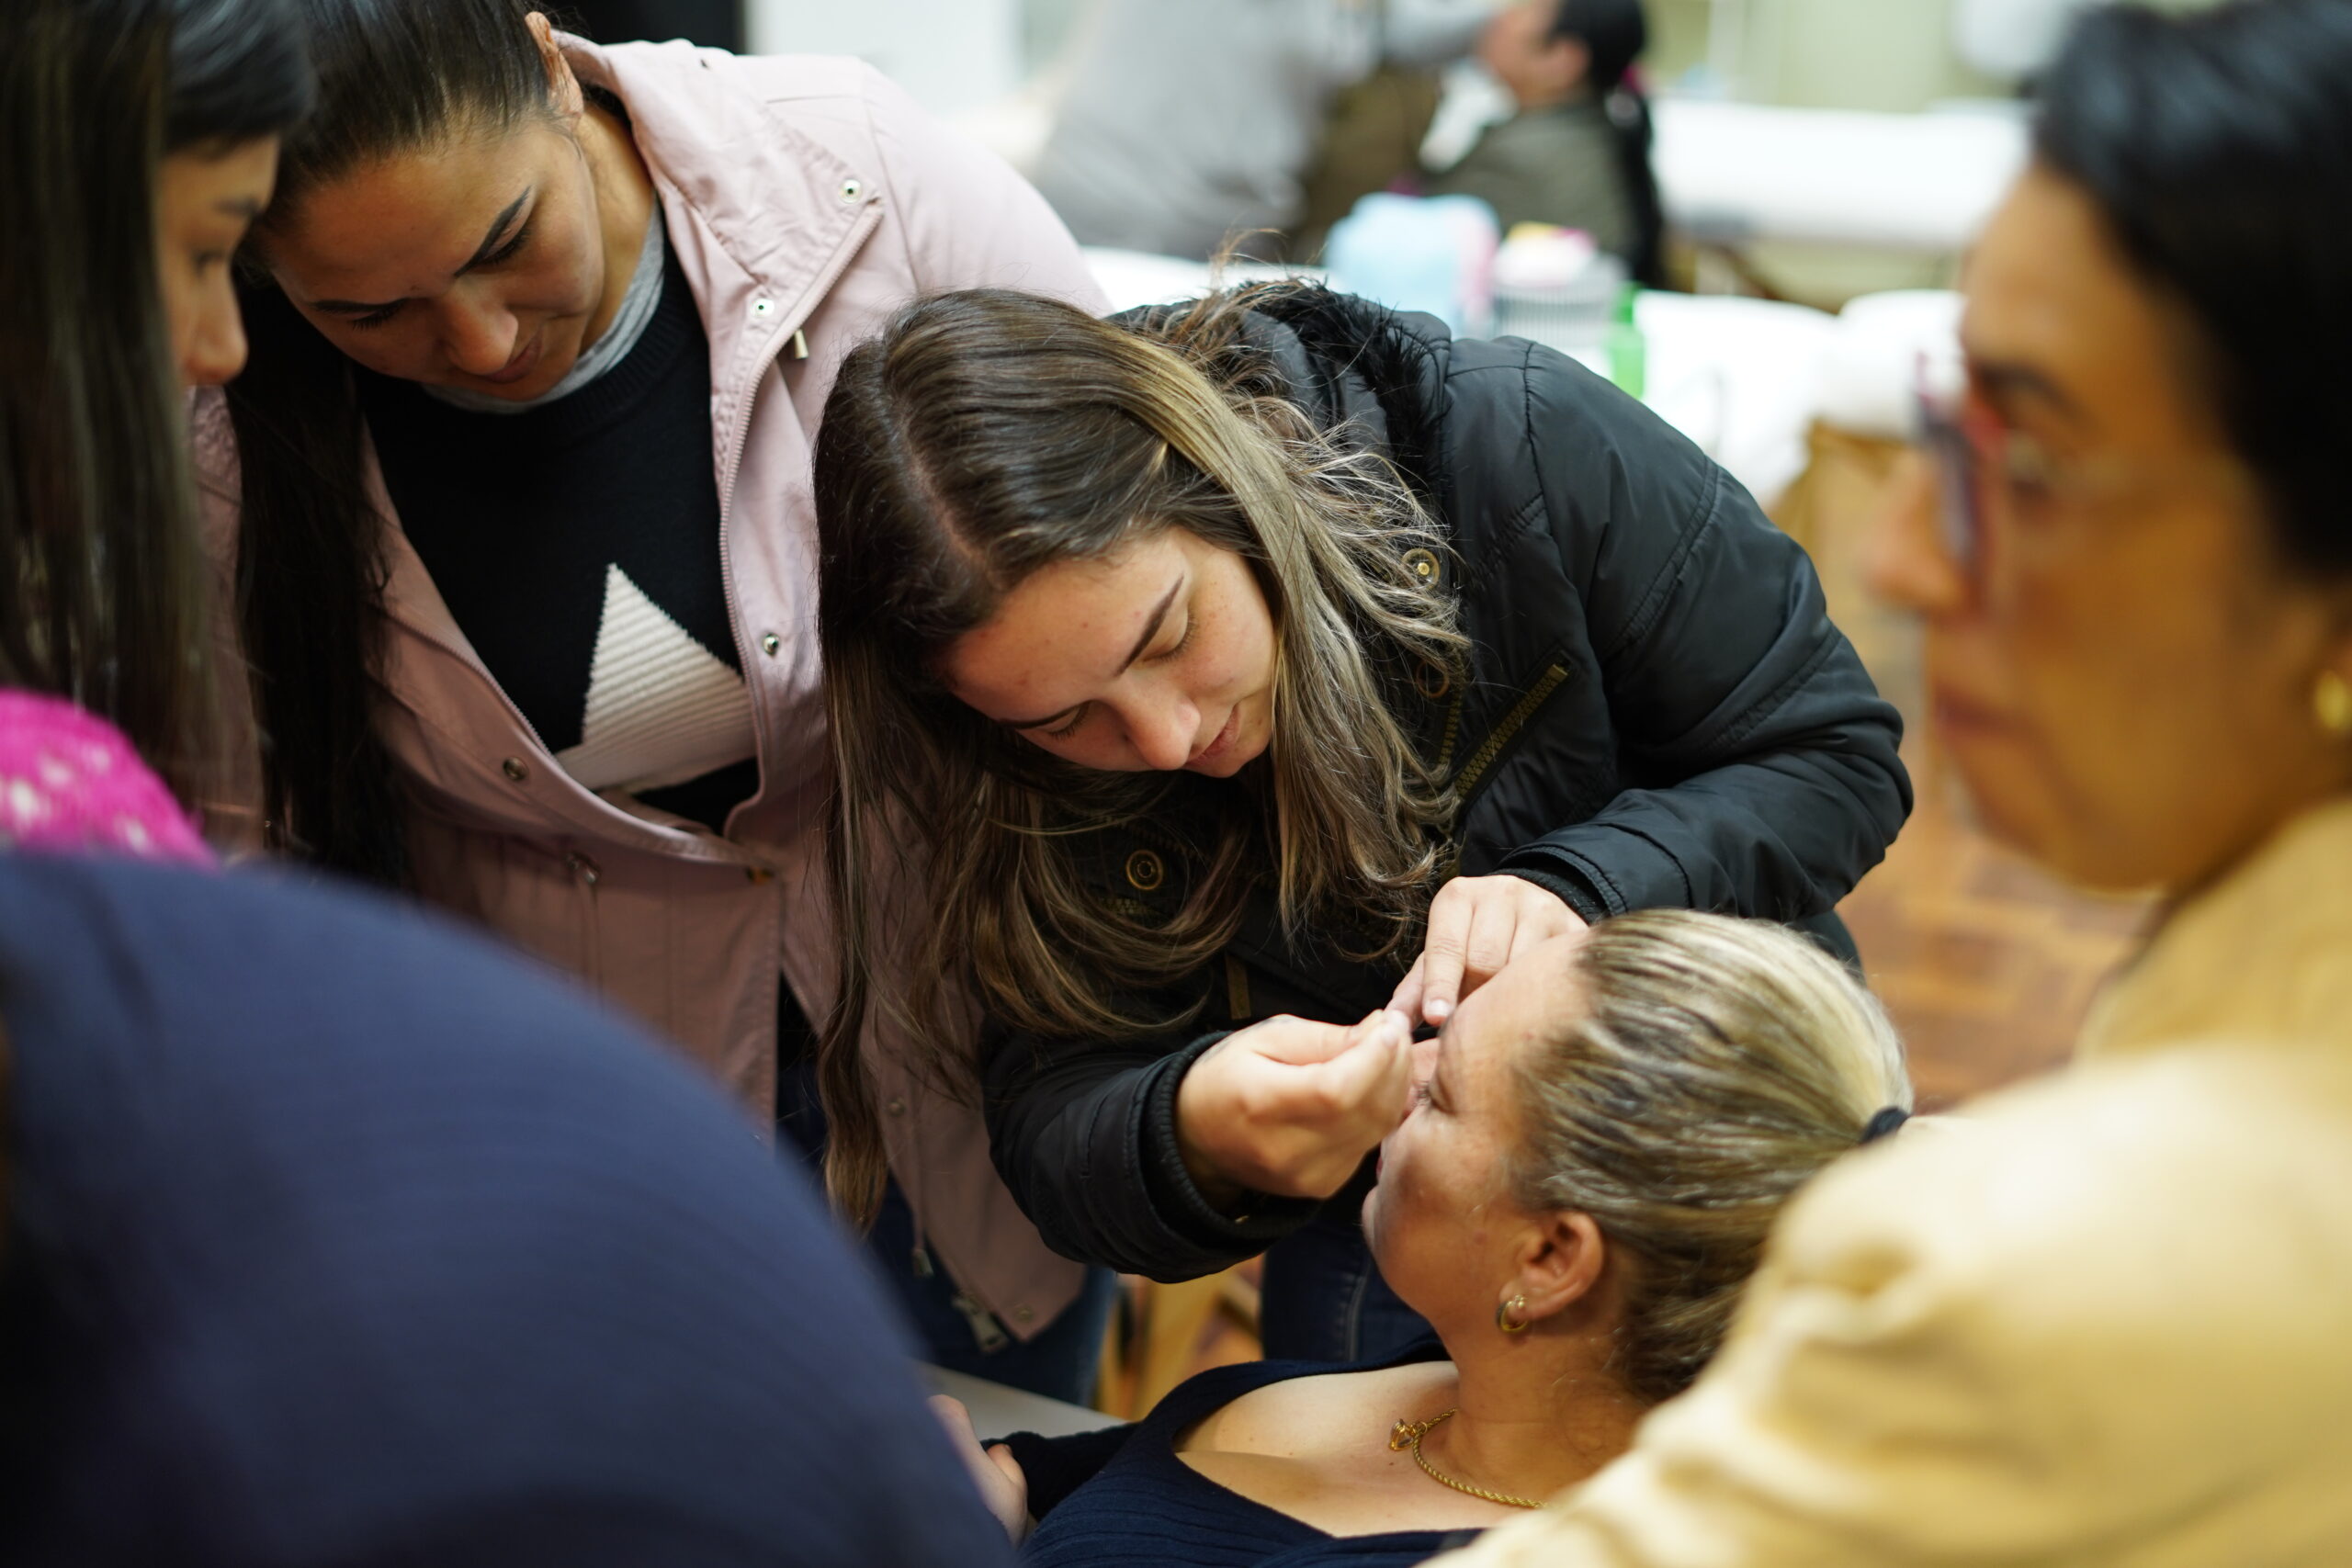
(1069, 726)
(505, 253)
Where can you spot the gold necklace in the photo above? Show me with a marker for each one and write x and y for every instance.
(1408, 1435)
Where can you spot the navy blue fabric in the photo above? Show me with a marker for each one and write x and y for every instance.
(1126, 1498)
(338, 1239)
(1321, 1297)
(1061, 1362)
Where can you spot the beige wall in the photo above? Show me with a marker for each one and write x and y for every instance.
(1862, 54)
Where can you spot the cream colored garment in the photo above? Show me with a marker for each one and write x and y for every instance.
(2108, 1321)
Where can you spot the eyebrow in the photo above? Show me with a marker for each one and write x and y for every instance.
(482, 254)
(243, 208)
(1150, 630)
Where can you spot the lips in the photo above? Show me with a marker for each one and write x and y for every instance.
(1958, 716)
(1224, 738)
(515, 369)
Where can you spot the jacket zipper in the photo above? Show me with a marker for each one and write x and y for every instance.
(737, 442)
(1465, 783)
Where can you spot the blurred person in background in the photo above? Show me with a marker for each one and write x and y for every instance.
(1186, 126)
(1599, 1143)
(517, 490)
(1213, 662)
(1577, 152)
(2103, 1320)
(331, 1238)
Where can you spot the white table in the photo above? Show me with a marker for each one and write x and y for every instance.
(998, 1410)
(1920, 183)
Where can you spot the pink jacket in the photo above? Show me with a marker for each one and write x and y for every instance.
(806, 198)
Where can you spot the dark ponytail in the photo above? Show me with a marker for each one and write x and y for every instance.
(102, 581)
(1614, 33)
(394, 76)
(2217, 147)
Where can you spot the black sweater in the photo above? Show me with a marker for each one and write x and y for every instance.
(1659, 714)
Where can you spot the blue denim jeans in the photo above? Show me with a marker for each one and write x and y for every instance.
(953, 1330)
(1323, 1299)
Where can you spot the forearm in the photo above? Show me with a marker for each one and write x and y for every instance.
(1085, 1136)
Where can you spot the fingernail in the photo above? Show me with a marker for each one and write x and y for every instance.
(1438, 1011)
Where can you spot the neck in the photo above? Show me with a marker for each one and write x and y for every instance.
(625, 199)
(1536, 1413)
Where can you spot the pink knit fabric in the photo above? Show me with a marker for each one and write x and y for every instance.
(69, 782)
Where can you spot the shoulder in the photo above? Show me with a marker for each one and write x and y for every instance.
(260, 1008)
(1291, 1409)
(2187, 1214)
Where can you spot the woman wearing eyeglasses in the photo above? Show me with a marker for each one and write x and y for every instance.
(2103, 1319)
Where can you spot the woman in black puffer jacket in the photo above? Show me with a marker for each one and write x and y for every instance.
(1216, 661)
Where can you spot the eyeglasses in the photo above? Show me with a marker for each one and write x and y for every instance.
(1980, 464)
(1983, 468)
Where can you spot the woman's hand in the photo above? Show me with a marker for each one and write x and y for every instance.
(994, 1470)
(1478, 924)
(1291, 1107)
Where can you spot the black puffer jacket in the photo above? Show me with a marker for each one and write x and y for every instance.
(1660, 713)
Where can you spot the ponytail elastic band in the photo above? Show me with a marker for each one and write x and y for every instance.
(1885, 1121)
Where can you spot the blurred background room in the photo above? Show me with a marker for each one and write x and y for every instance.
(1749, 213)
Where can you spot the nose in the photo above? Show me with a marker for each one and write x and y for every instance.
(478, 336)
(1905, 562)
(215, 349)
(1163, 735)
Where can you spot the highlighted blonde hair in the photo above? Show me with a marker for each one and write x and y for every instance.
(1714, 1067)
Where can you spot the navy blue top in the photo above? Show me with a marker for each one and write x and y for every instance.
(1123, 1496)
(338, 1239)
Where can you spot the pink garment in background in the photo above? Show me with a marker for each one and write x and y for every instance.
(70, 783)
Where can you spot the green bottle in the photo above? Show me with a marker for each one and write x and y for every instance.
(1629, 352)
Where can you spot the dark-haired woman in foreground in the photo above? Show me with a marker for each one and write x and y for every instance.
(1216, 661)
(1600, 1141)
(2103, 1322)
(525, 559)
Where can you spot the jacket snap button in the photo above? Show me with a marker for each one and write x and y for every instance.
(1432, 681)
(763, 309)
(897, 1108)
(1023, 1313)
(1144, 871)
(853, 189)
(1423, 564)
(583, 867)
(770, 643)
(516, 768)
(758, 875)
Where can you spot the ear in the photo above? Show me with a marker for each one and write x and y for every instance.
(1560, 1264)
(563, 87)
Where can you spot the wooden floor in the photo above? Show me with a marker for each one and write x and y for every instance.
(1985, 964)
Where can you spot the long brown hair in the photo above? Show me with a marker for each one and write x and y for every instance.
(981, 437)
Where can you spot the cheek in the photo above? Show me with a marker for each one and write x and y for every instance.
(2154, 717)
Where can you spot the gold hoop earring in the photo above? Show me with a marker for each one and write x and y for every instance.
(1508, 1324)
(2332, 704)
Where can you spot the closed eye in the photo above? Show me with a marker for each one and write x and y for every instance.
(1067, 727)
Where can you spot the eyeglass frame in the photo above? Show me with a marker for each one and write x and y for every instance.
(1963, 440)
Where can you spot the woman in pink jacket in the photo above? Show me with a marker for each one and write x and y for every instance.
(517, 490)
